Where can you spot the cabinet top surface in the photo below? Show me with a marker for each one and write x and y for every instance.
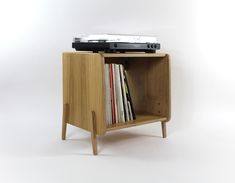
(134, 54)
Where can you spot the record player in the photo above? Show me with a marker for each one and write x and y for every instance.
(112, 43)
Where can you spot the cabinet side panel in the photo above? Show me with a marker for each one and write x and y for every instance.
(66, 74)
(168, 89)
(96, 89)
(84, 89)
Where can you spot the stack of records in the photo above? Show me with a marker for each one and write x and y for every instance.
(119, 106)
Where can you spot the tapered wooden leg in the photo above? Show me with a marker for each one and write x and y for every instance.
(65, 120)
(93, 134)
(164, 134)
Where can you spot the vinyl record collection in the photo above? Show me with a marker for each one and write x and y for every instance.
(119, 106)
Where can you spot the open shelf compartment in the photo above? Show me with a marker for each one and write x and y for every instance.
(149, 82)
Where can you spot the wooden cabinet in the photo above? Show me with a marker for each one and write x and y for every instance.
(148, 75)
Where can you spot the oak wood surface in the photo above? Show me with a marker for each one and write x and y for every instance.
(65, 120)
(140, 120)
(83, 89)
(93, 133)
(164, 133)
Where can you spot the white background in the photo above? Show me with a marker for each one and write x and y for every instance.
(199, 36)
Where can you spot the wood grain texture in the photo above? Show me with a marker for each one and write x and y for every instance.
(140, 120)
(93, 133)
(65, 120)
(83, 89)
(164, 133)
(158, 87)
